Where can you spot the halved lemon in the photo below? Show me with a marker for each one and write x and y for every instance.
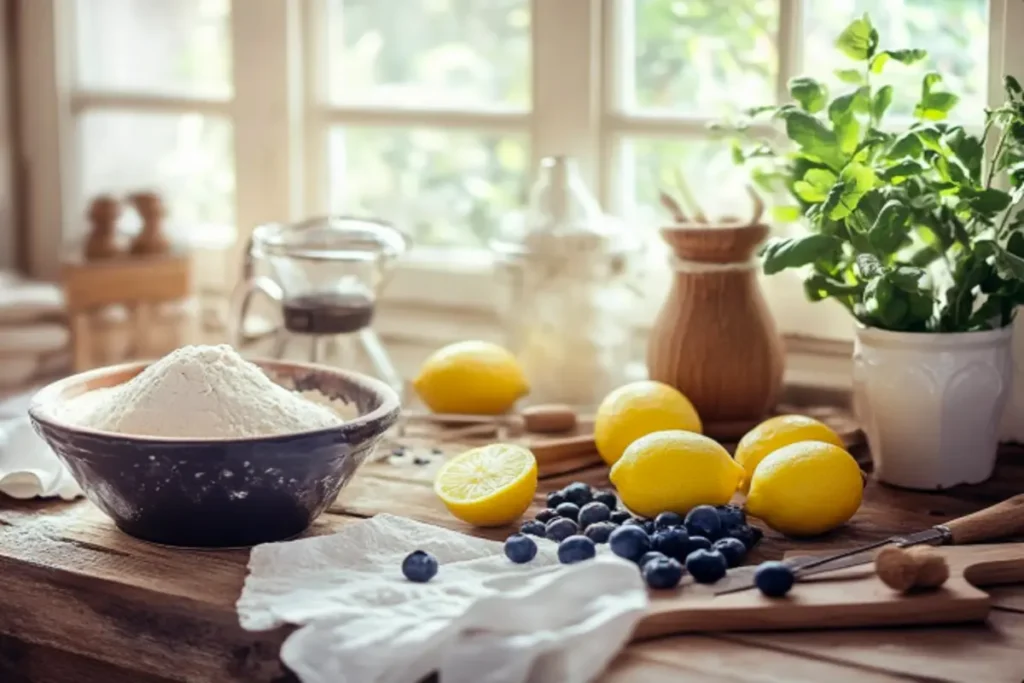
(491, 485)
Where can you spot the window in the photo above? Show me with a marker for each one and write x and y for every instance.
(434, 113)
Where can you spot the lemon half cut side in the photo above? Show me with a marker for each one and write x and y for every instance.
(491, 485)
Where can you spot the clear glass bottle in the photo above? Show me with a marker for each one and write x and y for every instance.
(564, 266)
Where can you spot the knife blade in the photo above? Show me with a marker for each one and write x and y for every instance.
(809, 565)
(994, 522)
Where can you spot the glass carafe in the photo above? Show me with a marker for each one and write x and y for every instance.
(565, 271)
(324, 275)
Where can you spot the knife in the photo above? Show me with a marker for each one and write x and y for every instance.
(992, 523)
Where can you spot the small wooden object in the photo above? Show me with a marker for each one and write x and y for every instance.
(102, 240)
(151, 240)
(715, 339)
(548, 418)
(904, 569)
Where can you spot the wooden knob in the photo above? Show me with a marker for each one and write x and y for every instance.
(104, 211)
(151, 240)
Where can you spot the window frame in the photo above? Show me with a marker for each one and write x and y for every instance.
(281, 119)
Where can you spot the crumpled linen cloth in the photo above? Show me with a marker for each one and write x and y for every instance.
(482, 619)
(28, 467)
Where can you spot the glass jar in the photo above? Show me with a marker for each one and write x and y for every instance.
(567, 312)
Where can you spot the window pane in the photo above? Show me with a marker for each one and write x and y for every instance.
(954, 32)
(703, 167)
(188, 158)
(426, 52)
(704, 56)
(446, 188)
(165, 46)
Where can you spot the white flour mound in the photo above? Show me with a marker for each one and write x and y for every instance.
(203, 392)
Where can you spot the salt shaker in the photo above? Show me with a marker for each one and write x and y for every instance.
(564, 268)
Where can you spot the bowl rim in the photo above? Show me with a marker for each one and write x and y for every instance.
(46, 396)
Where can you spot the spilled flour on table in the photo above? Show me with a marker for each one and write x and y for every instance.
(200, 392)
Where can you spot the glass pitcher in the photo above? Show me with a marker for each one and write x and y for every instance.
(324, 275)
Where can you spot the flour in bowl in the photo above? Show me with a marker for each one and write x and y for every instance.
(202, 392)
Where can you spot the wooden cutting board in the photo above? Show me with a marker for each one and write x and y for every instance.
(844, 598)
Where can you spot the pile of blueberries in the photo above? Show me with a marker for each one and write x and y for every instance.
(705, 543)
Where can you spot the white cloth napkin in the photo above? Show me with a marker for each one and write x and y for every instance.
(482, 619)
(28, 467)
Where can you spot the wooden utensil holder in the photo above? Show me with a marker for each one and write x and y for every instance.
(714, 338)
(140, 283)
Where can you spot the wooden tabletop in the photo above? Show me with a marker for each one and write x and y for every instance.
(81, 602)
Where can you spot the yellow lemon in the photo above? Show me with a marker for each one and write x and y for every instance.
(488, 486)
(471, 377)
(638, 409)
(776, 432)
(674, 471)
(806, 488)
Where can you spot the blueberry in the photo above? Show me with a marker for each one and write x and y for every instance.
(630, 542)
(672, 543)
(592, 513)
(560, 528)
(578, 493)
(546, 515)
(419, 566)
(599, 532)
(747, 534)
(520, 548)
(706, 566)
(663, 573)
(695, 543)
(533, 528)
(569, 511)
(635, 521)
(647, 557)
(620, 516)
(576, 549)
(703, 521)
(774, 579)
(608, 498)
(555, 498)
(731, 516)
(732, 548)
(667, 520)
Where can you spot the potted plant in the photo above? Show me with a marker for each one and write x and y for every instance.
(915, 232)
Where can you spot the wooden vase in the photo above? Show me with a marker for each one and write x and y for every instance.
(714, 338)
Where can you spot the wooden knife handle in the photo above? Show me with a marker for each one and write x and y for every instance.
(992, 523)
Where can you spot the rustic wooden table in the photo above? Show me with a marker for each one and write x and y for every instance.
(81, 602)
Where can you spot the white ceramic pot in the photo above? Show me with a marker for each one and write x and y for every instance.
(1013, 417)
(930, 404)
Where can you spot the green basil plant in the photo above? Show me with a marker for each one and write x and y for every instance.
(911, 230)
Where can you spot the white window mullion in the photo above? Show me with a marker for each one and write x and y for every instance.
(567, 82)
(267, 108)
(789, 45)
(48, 151)
(506, 121)
(89, 100)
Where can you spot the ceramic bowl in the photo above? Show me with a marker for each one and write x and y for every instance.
(218, 492)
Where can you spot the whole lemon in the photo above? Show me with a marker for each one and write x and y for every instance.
(638, 409)
(806, 488)
(674, 471)
(472, 377)
(776, 432)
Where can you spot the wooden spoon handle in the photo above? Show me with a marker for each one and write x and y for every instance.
(992, 523)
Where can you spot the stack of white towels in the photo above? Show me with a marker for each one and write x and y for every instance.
(34, 336)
